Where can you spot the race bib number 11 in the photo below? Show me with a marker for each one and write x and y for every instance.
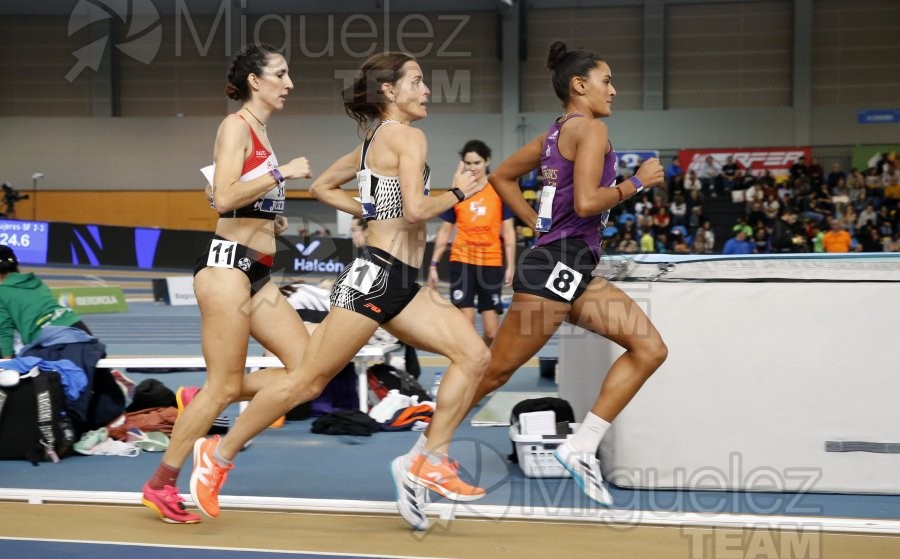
(221, 254)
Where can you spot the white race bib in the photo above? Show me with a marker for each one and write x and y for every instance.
(564, 281)
(545, 212)
(361, 276)
(364, 181)
(221, 254)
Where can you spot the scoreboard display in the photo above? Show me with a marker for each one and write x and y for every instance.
(28, 239)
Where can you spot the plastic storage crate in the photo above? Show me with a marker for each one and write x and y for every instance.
(535, 452)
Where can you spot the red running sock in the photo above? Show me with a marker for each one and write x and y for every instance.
(164, 475)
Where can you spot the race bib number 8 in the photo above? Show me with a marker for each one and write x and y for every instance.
(361, 276)
(221, 254)
(564, 281)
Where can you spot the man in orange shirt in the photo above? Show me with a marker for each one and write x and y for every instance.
(476, 255)
(837, 239)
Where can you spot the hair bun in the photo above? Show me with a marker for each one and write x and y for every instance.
(232, 92)
(558, 51)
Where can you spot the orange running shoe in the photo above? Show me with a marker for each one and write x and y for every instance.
(207, 477)
(279, 423)
(443, 479)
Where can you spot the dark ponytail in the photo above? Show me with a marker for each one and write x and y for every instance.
(364, 101)
(250, 60)
(566, 64)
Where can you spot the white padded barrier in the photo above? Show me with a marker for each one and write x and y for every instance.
(765, 381)
(364, 356)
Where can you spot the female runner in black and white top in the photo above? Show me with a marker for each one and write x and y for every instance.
(380, 287)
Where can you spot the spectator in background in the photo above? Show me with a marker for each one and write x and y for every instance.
(674, 176)
(756, 217)
(679, 243)
(678, 209)
(648, 243)
(767, 180)
(741, 223)
(645, 220)
(643, 202)
(815, 173)
(696, 218)
(692, 182)
(52, 332)
(787, 236)
(628, 230)
(627, 245)
(661, 220)
(771, 208)
(708, 236)
(848, 219)
(799, 169)
(694, 199)
(784, 190)
(835, 175)
(700, 245)
(873, 184)
(761, 241)
(27, 307)
(836, 239)
(484, 235)
(709, 174)
(738, 244)
(867, 216)
(869, 240)
(731, 174)
(892, 243)
(886, 218)
(840, 196)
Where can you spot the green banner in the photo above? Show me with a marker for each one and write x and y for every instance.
(867, 156)
(91, 300)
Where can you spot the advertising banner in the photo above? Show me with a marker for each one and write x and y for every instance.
(635, 158)
(866, 157)
(91, 300)
(755, 161)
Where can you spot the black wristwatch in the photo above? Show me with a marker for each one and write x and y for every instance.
(458, 193)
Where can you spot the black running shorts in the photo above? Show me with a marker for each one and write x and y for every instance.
(559, 271)
(470, 280)
(376, 285)
(222, 253)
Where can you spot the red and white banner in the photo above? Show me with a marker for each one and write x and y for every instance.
(756, 161)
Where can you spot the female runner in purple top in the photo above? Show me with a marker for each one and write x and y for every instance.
(553, 281)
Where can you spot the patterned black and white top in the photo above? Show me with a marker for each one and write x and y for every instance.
(381, 195)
